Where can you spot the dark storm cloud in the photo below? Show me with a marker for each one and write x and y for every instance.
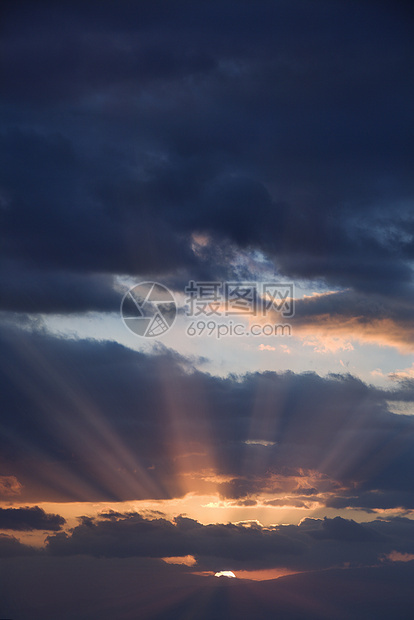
(348, 304)
(85, 588)
(134, 536)
(280, 126)
(90, 420)
(50, 217)
(28, 519)
(313, 544)
(373, 499)
(344, 530)
(10, 547)
(30, 290)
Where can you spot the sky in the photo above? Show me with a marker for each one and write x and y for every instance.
(206, 309)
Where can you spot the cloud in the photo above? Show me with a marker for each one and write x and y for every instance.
(9, 486)
(313, 544)
(133, 535)
(29, 519)
(344, 530)
(105, 171)
(395, 556)
(69, 585)
(370, 500)
(407, 373)
(37, 290)
(11, 547)
(186, 560)
(330, 322)
(87, 420)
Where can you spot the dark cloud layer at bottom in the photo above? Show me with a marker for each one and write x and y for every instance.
(130, 589)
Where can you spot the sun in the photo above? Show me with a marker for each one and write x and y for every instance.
(225, 573)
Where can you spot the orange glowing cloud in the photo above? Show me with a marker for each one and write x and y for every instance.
(331, 321)
(9, 486)
(185, 560)
(396, 556)
(335, 333)
(265, 574)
